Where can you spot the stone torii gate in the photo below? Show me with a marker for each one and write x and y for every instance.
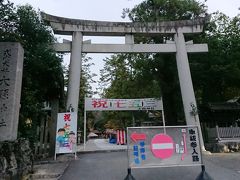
(79, 28)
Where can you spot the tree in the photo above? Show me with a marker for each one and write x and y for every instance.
(216, 75)
(85, 87)
(157, 70)
(8, 22)
(43, 72)
(42, 69)
(158, 10)
(120, 79)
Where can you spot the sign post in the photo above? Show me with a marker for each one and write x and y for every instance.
(96, 104)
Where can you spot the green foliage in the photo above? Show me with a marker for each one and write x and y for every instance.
(8, 22)
(157, 10)
(85, 87)
(216, 75)
(121, 78)
(43, 72)
(161, 68)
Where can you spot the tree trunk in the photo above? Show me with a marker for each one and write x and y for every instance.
(53, 125)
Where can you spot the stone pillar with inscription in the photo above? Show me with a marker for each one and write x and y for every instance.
(11, 69)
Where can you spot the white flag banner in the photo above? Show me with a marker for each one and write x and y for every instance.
(66, 133)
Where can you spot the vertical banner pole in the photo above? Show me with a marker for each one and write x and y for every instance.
(85, 125)
(75, 149)
(55, 151)
(163, 117)
(164, 125)
(118, 137)
(133, 120)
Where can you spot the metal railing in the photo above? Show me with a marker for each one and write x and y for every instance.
(224, 134)
(41, 147)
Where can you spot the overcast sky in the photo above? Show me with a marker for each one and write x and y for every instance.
(109, 10)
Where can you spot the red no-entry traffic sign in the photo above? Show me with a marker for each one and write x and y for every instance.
(162, 146)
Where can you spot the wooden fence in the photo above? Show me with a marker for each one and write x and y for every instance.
(42, 145)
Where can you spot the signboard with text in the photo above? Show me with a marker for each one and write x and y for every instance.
(11, 69)
(66, 133)
(163, 146)
(94, 104)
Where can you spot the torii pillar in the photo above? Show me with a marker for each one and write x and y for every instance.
(75, 72)
(186, 86)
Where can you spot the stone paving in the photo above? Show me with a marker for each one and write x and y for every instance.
(49, 170)
(53, 170)
(100, 145)
(221, 166)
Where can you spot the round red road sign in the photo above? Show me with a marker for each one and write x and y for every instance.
(162, 146)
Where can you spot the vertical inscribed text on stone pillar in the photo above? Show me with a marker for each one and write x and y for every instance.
(11, 67)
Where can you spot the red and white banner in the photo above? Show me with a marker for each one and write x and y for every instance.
(121, 137)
